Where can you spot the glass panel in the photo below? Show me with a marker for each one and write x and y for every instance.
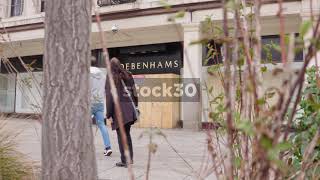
(269, 52)
(7, 92)
(42, 5)
(271, 49)
(16, 7)
(29, 93)
(34, 63)
(212, 54)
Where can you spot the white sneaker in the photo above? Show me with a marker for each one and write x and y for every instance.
(107, 152)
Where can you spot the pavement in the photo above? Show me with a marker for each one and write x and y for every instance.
(179, 158)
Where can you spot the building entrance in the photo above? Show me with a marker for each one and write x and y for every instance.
(154, 66)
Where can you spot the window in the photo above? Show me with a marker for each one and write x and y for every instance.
(3, 83)
(212, 54)
(35, 64)
(271, 49)
(7, 92)
(97, 58)
(16, 7)
(42, 6)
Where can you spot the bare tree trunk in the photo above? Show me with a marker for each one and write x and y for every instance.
(227, 89)
(67, 141)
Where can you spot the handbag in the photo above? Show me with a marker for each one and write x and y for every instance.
(136, 109)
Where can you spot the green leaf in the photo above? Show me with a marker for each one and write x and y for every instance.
(237, 116)
(218, 30)
(211, 89)
(287, 39)
(306, 25)
(264, 69)
(220, 108)
(213, 69)
(218, 98)
(201, 41)
(210, 51)
(261, 101)
(245, 126)
(283, 146)
(266, 142)
(270, 94)
(276, 47)
(240, 62)
(214, 116)
(165, 4)
(237, 162)
(180, 14)
(315, 106)
(231, 5)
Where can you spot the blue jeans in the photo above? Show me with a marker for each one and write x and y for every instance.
(97, 109)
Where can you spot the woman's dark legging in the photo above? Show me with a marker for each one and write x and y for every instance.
(121, 146)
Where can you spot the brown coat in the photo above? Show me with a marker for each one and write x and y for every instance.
(127, 109)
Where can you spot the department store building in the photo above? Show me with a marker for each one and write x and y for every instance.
(147, 43)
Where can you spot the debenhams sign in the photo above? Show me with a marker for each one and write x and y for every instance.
(153, 64)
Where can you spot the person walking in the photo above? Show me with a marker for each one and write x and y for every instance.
(122, 77)
(97, 85)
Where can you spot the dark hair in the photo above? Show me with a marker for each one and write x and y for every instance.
(93, 61)
(118, 71)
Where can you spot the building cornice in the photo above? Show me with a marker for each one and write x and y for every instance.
(190, 7)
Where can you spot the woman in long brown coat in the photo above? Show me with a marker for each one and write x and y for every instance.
(128, 111)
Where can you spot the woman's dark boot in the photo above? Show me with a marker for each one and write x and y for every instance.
(121, 164)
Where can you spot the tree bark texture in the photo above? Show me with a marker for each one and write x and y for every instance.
(67, 141)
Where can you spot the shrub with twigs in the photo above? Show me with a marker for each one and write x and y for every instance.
(306, 129)
(13, 165)
(255, 124)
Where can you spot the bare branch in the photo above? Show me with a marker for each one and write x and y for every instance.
(114, 95)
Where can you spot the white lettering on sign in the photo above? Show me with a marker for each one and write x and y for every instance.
(127, 66)
(151, 65)
(138, 65)
(145, 91)
(166, 89)
(159, 65)
(156, 91)
(179, 90)
(168, 64)
(145, 65)
(176, 64)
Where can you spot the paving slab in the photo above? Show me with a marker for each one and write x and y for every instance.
(168, 163)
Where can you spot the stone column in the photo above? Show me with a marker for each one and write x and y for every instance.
(306, 16)
(4, 9)
(192, 65)
(31, 7)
